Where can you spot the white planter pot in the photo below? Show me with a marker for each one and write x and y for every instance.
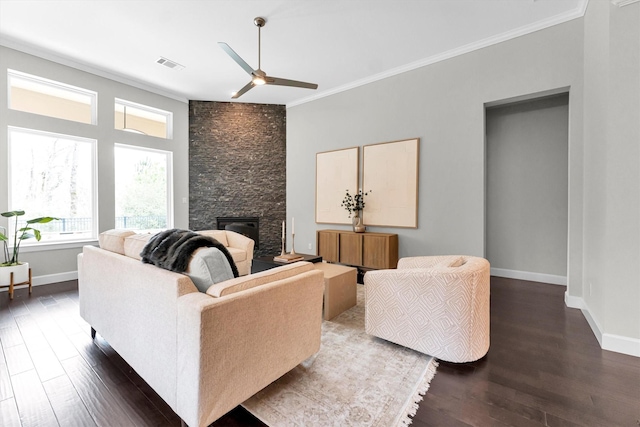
(20, 274)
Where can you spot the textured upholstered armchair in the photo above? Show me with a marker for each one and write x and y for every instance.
(438, 305)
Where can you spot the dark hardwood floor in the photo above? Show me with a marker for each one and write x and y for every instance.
(544, 368)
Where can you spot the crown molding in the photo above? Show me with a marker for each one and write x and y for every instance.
(621, 3)
(499, 38)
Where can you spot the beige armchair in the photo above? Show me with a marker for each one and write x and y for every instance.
(240, 247)
(438, 305)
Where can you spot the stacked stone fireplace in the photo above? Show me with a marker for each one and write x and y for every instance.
(237, 169)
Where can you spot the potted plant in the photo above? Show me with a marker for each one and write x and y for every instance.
(354, 205)
(11, 262)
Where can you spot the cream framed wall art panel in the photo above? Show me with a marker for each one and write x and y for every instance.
(390, 175)
(336, 172)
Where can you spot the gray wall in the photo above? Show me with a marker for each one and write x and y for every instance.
(51, 263)
(598, 59)
(612, 170)
(527, 188)
(237, 166)
(442, 104)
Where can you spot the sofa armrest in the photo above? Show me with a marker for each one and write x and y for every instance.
(231, 347)
(237, 240)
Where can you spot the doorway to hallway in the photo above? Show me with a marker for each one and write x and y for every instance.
(527, 189)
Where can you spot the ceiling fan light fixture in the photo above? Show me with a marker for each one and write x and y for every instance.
(259, 80)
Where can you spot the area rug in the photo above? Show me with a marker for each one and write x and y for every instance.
(354, 380)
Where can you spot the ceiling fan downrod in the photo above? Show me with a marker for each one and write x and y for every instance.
(259, 23)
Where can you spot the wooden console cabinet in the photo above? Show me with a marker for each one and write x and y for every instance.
(368, 250)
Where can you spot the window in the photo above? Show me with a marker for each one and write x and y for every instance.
(143, 188)
(49, 98)
(138, 118)
(54, 175)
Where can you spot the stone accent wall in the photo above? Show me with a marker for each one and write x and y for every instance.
(237, 166)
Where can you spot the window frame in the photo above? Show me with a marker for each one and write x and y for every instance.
(93, 96)
(167, 114)
(94, 186)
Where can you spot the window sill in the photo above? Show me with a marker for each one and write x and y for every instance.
(55, 246)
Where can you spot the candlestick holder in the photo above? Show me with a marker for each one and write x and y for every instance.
(288, 257)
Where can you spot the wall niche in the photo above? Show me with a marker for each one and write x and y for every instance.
(237, 166)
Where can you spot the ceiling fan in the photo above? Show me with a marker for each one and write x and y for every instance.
(259, 77)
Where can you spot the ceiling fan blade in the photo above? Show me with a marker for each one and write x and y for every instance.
(286, 82)
(244, 90)
(236, 57)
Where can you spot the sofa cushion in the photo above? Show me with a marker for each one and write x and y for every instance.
(133, 245)
(238, 255)
(219, 235)
(207, 267)
(113, 240)
(258, 279)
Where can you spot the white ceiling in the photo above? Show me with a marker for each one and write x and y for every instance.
(337, 44)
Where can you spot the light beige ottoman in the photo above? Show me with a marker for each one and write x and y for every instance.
(340, 292)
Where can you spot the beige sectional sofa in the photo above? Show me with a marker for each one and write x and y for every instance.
(203, 353)
(240, 247)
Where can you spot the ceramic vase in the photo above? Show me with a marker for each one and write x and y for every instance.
(358, 224)
(20, 274)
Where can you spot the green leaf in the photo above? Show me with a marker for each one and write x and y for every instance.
(12, 213)
(42, 220)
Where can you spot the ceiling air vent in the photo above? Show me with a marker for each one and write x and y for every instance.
(169, 63)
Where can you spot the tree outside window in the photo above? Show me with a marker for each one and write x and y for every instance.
(143, 188)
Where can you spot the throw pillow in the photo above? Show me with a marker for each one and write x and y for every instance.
(208, 266)
(113, 240)
(133, 245)
(457, 262)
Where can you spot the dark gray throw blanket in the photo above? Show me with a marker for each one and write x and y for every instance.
(172, 249)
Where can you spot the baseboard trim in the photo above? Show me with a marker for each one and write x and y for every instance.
(50, 278)
(573, 302)
(593, 323)
(621, 344)
(610, 342)
(527, 275)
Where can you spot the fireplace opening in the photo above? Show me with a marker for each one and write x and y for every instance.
(247, 226)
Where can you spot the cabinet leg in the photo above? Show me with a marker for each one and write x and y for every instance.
(93, 333)
(30, 282)
(11, 285)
